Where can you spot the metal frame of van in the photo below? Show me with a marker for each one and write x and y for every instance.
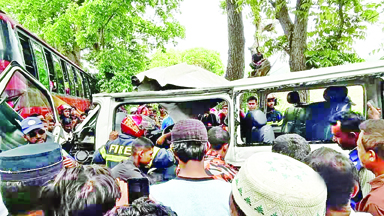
(366, 74)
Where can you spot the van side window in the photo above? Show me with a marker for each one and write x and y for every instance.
(308, 119)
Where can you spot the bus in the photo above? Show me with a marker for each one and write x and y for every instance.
(66, 81)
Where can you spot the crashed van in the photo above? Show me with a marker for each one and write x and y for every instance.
(327, 91)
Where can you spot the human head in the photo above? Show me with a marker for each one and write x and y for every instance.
(271, 101)
(189, 138)
(33, 130)
(67, 124)
(83, 116)
(370, 145)
(63, 107)
(142, 207)
(252, 103)
(225, 108)
(142, 150)
(51, 121)
(292, 145)
(73, 110)
(67, 112)
(39, 164)
(143, 110)
(345, 128)
(162, 110)
(219, 139)
(150, 109)
(83, 190)
(339, 174)
(275, 184)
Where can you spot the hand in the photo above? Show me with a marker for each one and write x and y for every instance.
(123, 200)
(161, 140)
(373, 113)
(69, 163)
(113, 135)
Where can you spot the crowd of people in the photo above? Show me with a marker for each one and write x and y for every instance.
(42, 179)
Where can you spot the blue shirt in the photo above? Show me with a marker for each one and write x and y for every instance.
(274, 116)
(354, 157)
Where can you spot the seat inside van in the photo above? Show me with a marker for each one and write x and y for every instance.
(294, 117)
(318, 114)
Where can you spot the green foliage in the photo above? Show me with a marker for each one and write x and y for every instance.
(204, 58)
(336, 25)
(116, 35)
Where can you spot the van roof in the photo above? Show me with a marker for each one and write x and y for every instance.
(314, 76)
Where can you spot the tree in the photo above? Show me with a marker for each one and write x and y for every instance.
(337, 23)
(204, 58)
(236, 41)
(116, 35)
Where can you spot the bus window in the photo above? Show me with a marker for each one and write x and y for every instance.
(20, 99)
(71, 79)
(27, 52)
(79, 82)
(41, 66)
(61, 85)
(86, 86)
(52, 74)
(67, 84)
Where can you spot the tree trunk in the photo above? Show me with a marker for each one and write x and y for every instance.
(74, 55)
(236, 42)
(296, 34)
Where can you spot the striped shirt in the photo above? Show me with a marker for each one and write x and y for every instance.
(216, 166)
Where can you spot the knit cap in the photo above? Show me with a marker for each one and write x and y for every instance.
(275, 184)
(189, 130)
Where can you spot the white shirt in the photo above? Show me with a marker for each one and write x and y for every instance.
(353, 213)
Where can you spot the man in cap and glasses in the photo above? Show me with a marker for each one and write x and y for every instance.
(35, 133)
(193, 192)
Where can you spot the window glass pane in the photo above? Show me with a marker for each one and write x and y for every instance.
(27, 52)
(41, 66)
(71, 80)
(21, 99)
(86, 86)
(67, 84)
(52, 74)
(285, 113)
(79, 83)
(60, 76)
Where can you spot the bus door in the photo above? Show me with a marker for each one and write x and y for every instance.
(21, 96)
